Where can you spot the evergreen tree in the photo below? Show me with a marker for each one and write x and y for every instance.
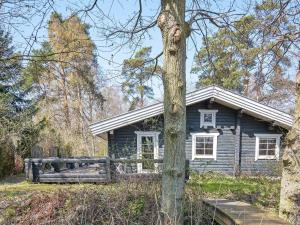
(225, 58)
(64, 73)
(16, 109)
(137, 73)
(245, 57)
(14, 101)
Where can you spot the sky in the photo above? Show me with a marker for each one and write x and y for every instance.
(110, 62)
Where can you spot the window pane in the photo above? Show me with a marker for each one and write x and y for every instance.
(209, 139)
(200, 151)
(207, 117)
(208, 151)
(263, 146)
(209, 145)
(263, 140)
(147, 148)
(272, 140)
(200, 139)
(271, 146)
(204, 145)
(271, 152)
(267, 146)
(147, 140)
(262, 152)
(199, 145)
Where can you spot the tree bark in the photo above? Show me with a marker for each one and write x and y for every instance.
(174, 31)
(289, 208)
(65, 97)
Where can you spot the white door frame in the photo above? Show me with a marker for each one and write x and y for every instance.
(154, 135)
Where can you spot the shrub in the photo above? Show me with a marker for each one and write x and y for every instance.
(121, 203)
(7, 160)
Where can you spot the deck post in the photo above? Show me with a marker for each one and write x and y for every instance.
(28, 169)
(35, 171)
(108, 170)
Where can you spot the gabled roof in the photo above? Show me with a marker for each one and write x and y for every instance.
(220, 95)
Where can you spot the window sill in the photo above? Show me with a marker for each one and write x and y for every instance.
(204, 157)
(267, 158)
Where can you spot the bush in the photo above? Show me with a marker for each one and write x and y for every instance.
(7, 159)
(120, 203)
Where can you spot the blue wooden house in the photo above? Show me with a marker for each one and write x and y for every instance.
(225, 132)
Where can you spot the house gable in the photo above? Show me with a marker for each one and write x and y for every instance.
(219, 95)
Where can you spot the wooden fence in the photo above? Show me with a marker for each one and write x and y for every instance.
(89, 170)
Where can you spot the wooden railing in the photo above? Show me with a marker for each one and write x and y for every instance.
(92, 170)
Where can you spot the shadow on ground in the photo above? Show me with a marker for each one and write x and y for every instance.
(15, 179)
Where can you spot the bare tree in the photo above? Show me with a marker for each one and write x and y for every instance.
(290, 183)
(177, 20)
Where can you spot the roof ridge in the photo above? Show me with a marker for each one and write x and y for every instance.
(225, 96)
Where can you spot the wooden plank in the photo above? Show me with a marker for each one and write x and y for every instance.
(69, 160)
(230, 212)
(28, 169)
(96, 172)
(135, 160)
(72, 175)
(73, 180)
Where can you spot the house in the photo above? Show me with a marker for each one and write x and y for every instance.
(225, 132)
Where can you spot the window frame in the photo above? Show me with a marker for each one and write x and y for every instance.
(215, 144)
(208, 111)
(277, 146)
(155, 136)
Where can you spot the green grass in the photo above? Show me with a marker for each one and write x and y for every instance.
(260, 191)
(17, 187)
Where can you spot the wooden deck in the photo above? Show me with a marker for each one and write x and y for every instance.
(229, 212)
(86, 170)
(85, 174)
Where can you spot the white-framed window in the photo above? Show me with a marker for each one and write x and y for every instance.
(147, 148)
(208, 118)
(204, 145)
(267, 146)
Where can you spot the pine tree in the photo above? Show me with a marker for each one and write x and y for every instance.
(245, 58)
(16, 109)
(137, 72)
(227, 57)
(64, 73)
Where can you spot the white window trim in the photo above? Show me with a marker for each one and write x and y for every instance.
(277, 148)
(202, 112)
(215, 143)
(141, 134)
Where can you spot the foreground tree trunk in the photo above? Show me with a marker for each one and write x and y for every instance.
(290, 183)
(174, 31)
